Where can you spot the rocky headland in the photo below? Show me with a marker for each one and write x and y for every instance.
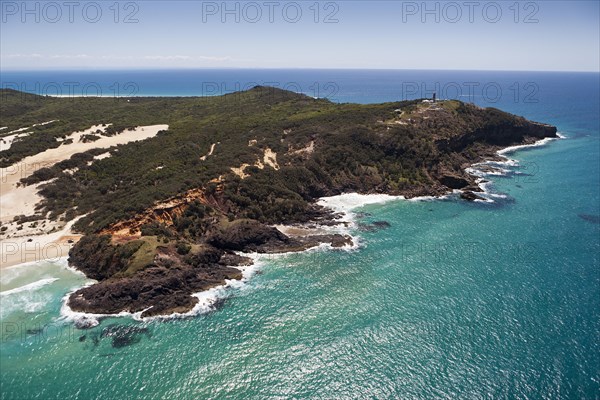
(173, 215)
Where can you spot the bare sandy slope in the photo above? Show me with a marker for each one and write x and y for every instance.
(31, 247)
(15, 200)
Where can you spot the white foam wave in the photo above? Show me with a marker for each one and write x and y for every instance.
(10, 273)
(346, 203)
(206, 301)
(27, 302)
(495, 168)
(343, 204)
(541, 142)
(28, 298)
(427, 198)
(15, 271)
(29, 287)
(73, 270)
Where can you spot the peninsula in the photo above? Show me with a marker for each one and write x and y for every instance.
(161, 196)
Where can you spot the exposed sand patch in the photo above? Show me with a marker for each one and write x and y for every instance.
(31, 246)
(22, 200)
(71, 171)
(7, 141)
(240, 171)
(47, 237)
(309, 149)
(65, 151)
(45, 123)
(102, 156)
(19, 201)
(217, 180)
(210, 153)
(19, 130)
(270, 158)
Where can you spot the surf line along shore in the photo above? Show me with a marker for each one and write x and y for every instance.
(314, 238)
(342, 206)
(165, 285)
(33, 237)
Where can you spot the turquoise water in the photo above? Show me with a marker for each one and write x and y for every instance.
(454, 300)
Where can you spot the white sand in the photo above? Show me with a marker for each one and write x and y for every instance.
(19, 130)
(33, 248)
(19, 200)
(22, 200)
(210, 153)
(7, 141)
(270, 158)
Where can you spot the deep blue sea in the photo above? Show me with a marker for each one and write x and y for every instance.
(454, 300)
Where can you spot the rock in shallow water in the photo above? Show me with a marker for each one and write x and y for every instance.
(374, 227)
(470, 196)
(594, 219)
(124, 335)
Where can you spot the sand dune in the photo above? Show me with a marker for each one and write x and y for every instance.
(21, 200)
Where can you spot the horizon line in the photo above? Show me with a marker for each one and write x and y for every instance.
(82, 69)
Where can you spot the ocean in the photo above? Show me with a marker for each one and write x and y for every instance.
(452, 300)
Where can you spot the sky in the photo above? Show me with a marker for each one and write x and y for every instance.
(453, 35)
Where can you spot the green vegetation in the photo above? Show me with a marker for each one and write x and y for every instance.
(183, 248)
(364, 148)
(163, 216)
(143, 256)
(99, 259)
(89, 138)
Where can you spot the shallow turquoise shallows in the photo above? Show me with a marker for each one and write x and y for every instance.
(453, 300)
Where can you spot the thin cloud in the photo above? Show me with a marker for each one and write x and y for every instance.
(23, 56)
(114, 57)
(188, 58)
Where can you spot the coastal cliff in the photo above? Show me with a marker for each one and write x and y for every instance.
(166, 217)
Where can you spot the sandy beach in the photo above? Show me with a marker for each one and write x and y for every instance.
(45, 239)
(36, 247)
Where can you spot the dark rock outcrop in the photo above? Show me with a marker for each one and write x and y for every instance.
(98, 259)
(247, 235)
(157, 290)
(594, 219)
(470, 196)
(374, 227)
(363, 149)
(124, 335)
(166, 285)
(499, 130)
(454, 181)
